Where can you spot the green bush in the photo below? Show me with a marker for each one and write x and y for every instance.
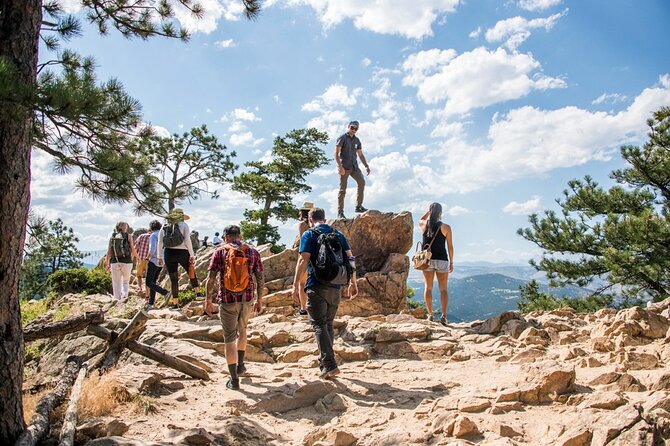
(31, 310)
(80, 280)
(99, 281)
(186, 297)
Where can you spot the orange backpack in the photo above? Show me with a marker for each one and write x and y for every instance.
(236, 275)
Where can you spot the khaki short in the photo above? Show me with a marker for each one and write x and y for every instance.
(233, 317)
(141, 269)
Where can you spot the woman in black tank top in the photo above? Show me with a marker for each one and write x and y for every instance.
(438, 236)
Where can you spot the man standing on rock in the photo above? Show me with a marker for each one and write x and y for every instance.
(347, 147)
(323, 298)
(236, 264)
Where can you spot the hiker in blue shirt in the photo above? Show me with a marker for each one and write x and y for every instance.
(323, 299)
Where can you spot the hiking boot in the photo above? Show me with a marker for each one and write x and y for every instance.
(443, 321)
(360, 209)
(233, 384)
(340, 215)
(241, 369)
(303, 313)
(430, 318)
(325, 374)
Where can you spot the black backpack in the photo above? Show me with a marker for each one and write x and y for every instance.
(120, 245)
(331, 265)
(172, 235)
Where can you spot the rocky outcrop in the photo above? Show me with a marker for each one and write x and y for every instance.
(404, 381)
(380, 242)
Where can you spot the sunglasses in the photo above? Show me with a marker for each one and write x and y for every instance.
(353, 127)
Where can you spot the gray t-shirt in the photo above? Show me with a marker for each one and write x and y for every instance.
(348, 148)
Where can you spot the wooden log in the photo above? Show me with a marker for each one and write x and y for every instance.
(70, 420)
(39, 423)
(58, 328)
(133, 330)
(152, 353)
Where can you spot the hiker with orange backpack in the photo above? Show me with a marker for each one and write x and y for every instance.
(236, 264)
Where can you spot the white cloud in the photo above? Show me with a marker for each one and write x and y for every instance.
(475, 79)
(416, 148)
(244, 115)
(529, 141)
(70, 6)
(538, 5)
(228, 43)
(517, 29)
(399, 17)
(457, 210)
(474, 34)
(527, 207)
(245, 139)
(334, 95)
(611, 98)
(366, 62)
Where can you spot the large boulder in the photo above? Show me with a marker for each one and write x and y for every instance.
(375, 235)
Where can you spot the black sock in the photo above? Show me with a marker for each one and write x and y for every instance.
(232, 369)
(240, 357)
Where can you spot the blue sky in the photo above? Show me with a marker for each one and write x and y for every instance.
(488, 107)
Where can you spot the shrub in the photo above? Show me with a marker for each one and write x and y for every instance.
(80, 280)
(186, 297)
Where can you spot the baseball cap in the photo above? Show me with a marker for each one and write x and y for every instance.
(354, 123)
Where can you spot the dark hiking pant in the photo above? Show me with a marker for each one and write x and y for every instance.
(322, 303)
(153, 271)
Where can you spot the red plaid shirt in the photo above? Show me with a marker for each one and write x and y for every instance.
(218, 264)
(142, 246)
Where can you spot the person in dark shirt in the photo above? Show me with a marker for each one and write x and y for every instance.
(347, 148)
(322, 299)
(438, 235)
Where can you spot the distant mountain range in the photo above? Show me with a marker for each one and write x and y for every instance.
(481, 296)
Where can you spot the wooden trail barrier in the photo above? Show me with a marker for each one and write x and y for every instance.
(70, 420)
(133, 330)
(149, 352)
(59, 328)
(39, 423)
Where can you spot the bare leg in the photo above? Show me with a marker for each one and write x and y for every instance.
(428, 290)
(442, 279)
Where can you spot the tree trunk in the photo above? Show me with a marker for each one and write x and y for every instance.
(19, 34)
(70, 419)
(151, 353)
(59, 328)
(39, 424)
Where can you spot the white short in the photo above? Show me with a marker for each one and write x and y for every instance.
(439, 266)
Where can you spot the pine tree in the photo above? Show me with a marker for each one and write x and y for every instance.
(183, 167)
(58, 106)
(51, 247)
(620, 235)
(273, 184)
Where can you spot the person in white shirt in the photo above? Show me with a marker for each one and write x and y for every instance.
(173, 254)
(216, 240)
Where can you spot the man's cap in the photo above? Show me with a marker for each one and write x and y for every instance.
(306, 206)
(232, 230)
(177, 214)
(354, 123)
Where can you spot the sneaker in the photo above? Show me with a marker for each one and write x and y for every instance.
(430, 318)
(443, 321)
(325, 374)
(360, 209)
(340, 216)
(148, 307)
(241, 370)
(233, 384)
(303, 313)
